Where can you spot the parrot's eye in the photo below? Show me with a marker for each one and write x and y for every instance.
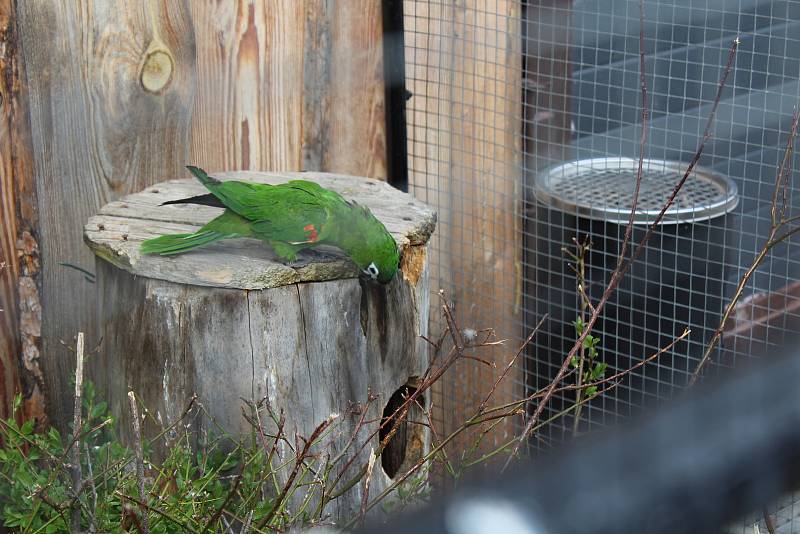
(371, 271)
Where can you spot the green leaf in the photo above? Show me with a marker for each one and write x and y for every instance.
(98, 410)
(599, 370)
(27, 428)
(579, 325)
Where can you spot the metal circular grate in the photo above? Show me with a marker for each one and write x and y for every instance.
(602, 188)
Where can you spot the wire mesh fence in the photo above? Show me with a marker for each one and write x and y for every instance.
(504, 94)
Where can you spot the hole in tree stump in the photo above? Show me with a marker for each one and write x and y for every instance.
(406, 445)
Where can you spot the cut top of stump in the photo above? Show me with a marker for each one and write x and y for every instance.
(117, 232)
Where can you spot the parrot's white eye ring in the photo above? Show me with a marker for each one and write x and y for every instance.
(371, 271)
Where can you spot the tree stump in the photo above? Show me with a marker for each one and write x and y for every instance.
(231, 322)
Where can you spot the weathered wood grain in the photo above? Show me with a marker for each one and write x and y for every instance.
(118, 231)
(463, 65)
(20, 284)
(289, 86)
(9, 270)
(110, 92)
(248, 110)
(356, 133)
(311, 349)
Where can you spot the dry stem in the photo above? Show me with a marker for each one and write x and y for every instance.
(137, 447)
(75, 452)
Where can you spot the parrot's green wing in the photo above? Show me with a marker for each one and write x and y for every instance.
(258, 202)
(294, 213)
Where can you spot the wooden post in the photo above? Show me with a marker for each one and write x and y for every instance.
(231, 322)
(20, 261)
(464, 69)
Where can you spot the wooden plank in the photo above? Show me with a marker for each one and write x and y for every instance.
(356, 136)
(20, 308)
(111, 90)
(116, 234)
(248, 109)
(289, 86)
(429, 46)
(9, 270)
(464, 66)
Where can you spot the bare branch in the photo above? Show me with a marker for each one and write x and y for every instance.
(778, 222)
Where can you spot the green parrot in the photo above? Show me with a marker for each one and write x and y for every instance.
(288, 217)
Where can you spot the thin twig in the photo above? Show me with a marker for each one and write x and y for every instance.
(436, 439)
(300, 457)
(632, 368)
(367, 479)
(618, 271)
(511, 363)
(178, 421)
(581, 247)
(137, 447)
(92, 525)
(75, 453)
(247, 523)
(144, 506)
(778, 222)
(769, 522)
(227, 500)
(614, 378)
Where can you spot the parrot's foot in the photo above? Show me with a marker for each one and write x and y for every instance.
(304, 258)
(296, 264)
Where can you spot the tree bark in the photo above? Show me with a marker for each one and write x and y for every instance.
(230, 322)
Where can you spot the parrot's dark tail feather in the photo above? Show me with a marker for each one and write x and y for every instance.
(204, 200)
(177, 243)
(202, 176)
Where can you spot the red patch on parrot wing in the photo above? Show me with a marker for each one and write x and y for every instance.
(311, 232)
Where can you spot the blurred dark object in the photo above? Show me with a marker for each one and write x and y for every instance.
(705, 460)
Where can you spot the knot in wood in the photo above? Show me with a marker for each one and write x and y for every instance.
(156, 71)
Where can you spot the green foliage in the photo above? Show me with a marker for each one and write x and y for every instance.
(212, 486)
(592, 370)
(35, 486)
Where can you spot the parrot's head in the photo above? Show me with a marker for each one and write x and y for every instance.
(383, 265)
(375, 252)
